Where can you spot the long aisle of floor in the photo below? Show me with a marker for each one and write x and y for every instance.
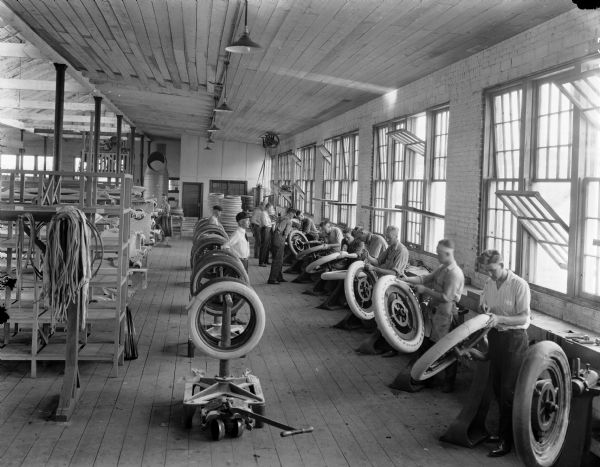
(309, 372)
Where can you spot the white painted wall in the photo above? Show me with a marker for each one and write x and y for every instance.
(226, 160)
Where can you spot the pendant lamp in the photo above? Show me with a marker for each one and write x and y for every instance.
(224, 107)
(213, 125)
(244, 45)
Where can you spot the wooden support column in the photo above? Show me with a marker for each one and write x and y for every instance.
(59, 110)
(46, 153)
(97, 117)
(132, 152)
(142, 160)
(119, 157)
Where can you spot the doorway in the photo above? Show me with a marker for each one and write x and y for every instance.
(192, 199)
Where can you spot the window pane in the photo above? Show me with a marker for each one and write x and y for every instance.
(8, 161)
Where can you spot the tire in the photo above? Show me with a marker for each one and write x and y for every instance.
(217, 429)
(311, 250)
(334, 275)
(316, 265)
(544, 381)
(208, 230)
(440, 356)
(398, 314)
(358, 287)
(207, 243)
(199, 327)
(211, 266)
(297, 242)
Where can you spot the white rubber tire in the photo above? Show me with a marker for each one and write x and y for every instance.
(316, 265)
(212, 349)
(334, 275)
(291, 241)
(399, 317)
(231, 264)
(355, 272)
(438, 358)
(313, 249)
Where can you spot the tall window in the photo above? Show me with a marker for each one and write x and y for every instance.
(28, 162)
(542, 193)
(409, 188)
(307, 156)
(340, 179)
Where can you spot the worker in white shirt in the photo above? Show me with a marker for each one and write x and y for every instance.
(216, 215)
(238, 241)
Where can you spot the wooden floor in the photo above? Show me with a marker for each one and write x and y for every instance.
(309, 373)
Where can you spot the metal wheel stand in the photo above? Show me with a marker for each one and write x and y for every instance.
(228, 404)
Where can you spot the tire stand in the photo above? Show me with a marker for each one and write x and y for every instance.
(69, 394)
(229, 405)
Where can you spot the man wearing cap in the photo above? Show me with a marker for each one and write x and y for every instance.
(505, 299)
(280, 233)
(308, 226)
(238, 241)
(216, 215)
(444, 286)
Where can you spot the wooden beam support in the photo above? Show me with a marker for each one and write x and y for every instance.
(131, 168)
(15, 103)
(97, 117)
(59, 101)
(30, 115)
(141, 180)
(119, 157)
(19, 50)
(39, 85)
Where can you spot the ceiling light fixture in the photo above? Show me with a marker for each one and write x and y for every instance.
(210, 139)
(244, 45)
(224, 107)
(213, 125)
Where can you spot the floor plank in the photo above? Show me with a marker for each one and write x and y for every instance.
(309, 372)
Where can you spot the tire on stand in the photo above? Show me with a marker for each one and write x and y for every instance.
(398, 314)
(205, 326)
(542, 404)
(442, 354)
(358, 287)
(311, 250)
(316, 265)
(211, 266)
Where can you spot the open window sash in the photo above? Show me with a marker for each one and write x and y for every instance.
(540, 221)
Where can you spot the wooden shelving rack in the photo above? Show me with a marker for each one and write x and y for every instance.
(30, 333)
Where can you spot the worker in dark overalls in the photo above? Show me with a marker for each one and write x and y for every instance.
(281, 230)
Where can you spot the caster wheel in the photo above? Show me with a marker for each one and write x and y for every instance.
(217, 429)
(237, 429)
(260, 410)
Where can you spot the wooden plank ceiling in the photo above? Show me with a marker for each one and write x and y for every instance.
(158, 60)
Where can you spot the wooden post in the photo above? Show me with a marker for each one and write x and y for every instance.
(142, 160)
(59, 111)
(97, 116)
(119, 158)
(69, 393)
(46, 153)
(132, 152)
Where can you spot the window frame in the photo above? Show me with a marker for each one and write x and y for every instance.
(527, 177)
(397, 176)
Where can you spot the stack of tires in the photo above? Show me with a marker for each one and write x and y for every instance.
(209, 261)
(220, 288)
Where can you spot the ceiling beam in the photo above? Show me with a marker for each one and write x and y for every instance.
(39, 85)
(31, 36)
(14, 103)
(31, 114)
(19, 50)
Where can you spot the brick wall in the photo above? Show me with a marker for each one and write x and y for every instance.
(462, 85)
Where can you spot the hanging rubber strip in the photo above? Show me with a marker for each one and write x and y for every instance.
(67, 265)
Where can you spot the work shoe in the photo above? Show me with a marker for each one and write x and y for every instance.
(502, 449)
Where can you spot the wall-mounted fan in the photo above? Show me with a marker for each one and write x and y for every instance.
(270, 140)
